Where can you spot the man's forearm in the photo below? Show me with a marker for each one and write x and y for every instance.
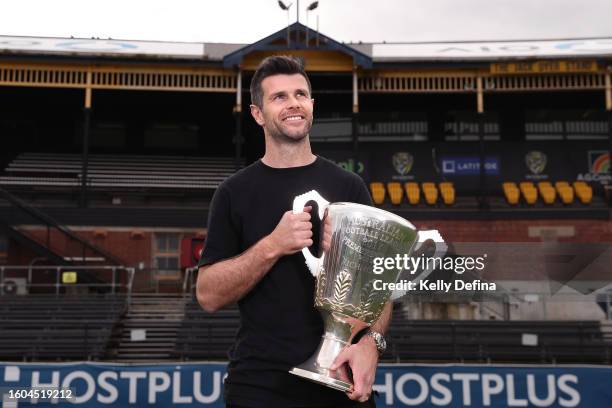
(382, 324)
(227, 281)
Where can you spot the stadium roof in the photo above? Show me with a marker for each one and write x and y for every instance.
(361, 53)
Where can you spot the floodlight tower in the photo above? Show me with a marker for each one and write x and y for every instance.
(285, 7)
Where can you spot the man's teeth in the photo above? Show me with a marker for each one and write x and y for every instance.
(293, 118)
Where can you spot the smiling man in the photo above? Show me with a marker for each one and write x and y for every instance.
(252, 255)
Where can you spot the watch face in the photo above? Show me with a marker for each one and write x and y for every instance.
(381, 343)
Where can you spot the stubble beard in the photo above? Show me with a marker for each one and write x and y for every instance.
(277, 133)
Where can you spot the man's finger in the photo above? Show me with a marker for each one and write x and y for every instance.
(358, 387)
(342, 374)
(343, 357)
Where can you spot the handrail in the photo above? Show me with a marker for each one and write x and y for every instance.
(57, 284)
(51, 222)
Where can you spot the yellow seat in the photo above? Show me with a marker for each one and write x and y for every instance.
(395, 192)
(430, 191)
(547, 192)
(584, 192)
(412, 192)
(566, 193)
(447, 191)
(544, 184)
(511, 192)
(562, 184)
(378, 192)
(529, 192)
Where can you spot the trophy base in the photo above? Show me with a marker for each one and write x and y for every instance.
(322, 379)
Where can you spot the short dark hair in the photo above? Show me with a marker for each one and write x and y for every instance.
(275, 65)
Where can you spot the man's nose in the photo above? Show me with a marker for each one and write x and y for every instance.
(293, 101)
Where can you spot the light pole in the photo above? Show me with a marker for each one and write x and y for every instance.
(311, 7)
(285, 7)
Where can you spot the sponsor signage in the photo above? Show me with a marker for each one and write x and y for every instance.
(102, 47)
(593, 47)
(97, 385)
(599, 167)
(543, 67)
(469, 165)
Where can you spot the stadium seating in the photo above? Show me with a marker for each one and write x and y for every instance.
(206, 335)
(584, 192)
(395, 192)
(209, 336)
(412, 192)
(530, 193)
(547, 192)
(430, 191)
(377, 190)
(511, 192)
(64, 327)
(496, 341)
(566, 193)
(118, 171)
(447, 191)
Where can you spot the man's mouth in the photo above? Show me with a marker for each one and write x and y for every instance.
(293, 118)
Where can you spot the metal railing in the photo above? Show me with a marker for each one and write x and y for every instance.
(52, 224)
(118, 279)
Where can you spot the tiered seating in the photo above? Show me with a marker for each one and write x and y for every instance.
(49, 327)
(566, 193)
(412, 192)
(529, 192)
(511, 192)
(118, 171)
(430, 191)
(377, 190)
(210, 336)
(206, 335)
(395, 192)
(497, 341)
(547, 192)
(584, 192)
(447, 190)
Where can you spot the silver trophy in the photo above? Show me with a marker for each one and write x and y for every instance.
(347, 293)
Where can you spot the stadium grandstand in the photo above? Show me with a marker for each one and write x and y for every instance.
(112, 150)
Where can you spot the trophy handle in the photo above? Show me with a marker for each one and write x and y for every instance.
(298, 206)
(441, 248)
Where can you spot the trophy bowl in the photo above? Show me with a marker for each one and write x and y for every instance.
(350, 294)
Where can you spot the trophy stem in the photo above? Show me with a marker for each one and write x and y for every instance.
(338, 335)
(316, 368)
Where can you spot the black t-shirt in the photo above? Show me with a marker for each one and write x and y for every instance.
(279, 326)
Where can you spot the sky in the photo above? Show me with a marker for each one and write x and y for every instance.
(247, 21)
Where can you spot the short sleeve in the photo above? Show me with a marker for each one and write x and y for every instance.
(223, 239)
(360, 191)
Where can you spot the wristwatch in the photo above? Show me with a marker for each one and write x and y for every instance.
(381, 343)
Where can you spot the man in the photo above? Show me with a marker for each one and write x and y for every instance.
(252, 256)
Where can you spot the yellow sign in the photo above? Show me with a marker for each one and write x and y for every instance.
(543, 67)
(69, 277)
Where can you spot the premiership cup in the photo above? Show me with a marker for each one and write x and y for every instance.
(345, 293)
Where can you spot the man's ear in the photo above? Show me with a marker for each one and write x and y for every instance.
(257, 115)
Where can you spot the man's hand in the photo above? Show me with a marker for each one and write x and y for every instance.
(362, 358)
(293, 232)
(327, 234)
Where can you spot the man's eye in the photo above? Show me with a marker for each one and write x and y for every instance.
(279, 97)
